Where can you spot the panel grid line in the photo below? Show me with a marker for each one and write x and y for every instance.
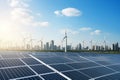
(51, 68)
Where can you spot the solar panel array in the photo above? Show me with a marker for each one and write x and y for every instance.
(59, 66)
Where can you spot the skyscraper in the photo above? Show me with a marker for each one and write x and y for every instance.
(115, 47)
(52, 45)
(46, 46)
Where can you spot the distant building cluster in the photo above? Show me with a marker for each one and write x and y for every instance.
(50, 46)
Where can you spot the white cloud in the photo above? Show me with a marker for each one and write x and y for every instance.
(68, 12)
(42, 24)
(96, 32)
(21, 14)
(58, 13)
(85, 29)
(69, 31)
(18, 3)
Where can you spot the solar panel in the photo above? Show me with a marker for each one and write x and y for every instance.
(11, 73)
(77, 58)
(75, 75)
(111, 77)
(53, 76)
(61, 67)
(98, 71)
(30, 61)
(41, 69)
(58, 66)
(103, 62)
(115, 67)
(82, 65)
(10, 62)
(54, 60)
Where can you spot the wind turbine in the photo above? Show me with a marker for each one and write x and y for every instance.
(65, 38)
(83, 44)
(31, 43)
(91, 42)
(104, 43)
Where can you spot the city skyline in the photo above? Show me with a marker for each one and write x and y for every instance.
(48, 20)
(52, 46)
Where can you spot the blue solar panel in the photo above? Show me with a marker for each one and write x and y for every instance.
(83, 65)
(50, 66)
(54, 76)
(12, 55)
(95, 72)
(10, 62)
(54, 60)
(61, 67)
(40, 69)
(75, 75)
(11, 73)
(77, 58)
(115, 67)
(104, 62)
(30, 61)
(111, 77)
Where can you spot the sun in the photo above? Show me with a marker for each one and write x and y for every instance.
(6, 31)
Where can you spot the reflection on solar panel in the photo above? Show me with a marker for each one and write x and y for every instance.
(59, 66)
(82, 65)
(53, 76)
(31, 78)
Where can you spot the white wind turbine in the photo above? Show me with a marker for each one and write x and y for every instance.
(65, 38)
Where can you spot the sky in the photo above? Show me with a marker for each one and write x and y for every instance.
(84, 20)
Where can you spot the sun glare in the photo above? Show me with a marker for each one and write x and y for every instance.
(6, 31)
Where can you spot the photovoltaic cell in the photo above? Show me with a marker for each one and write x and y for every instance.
(82, 65)
(12, 55)
(111, 77)
(61, 67)
(11, 73)
(10, 62)
(77, 58)
(75, 75)
(26, 55)
(53, 60)
(115, 67)
(103, 62)
(54, 76)
(95, 72)
(40, 69)
(30, 61)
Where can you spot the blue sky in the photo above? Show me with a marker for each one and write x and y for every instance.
(48, 19)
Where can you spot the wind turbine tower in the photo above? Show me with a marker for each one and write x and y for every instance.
(91, 42)
(104, 42)
(65, 41)
(65, 38)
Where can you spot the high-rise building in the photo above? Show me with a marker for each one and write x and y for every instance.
(79, 47)
(115, 47)
(52, 45)
(41, 47)
(46, 46)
